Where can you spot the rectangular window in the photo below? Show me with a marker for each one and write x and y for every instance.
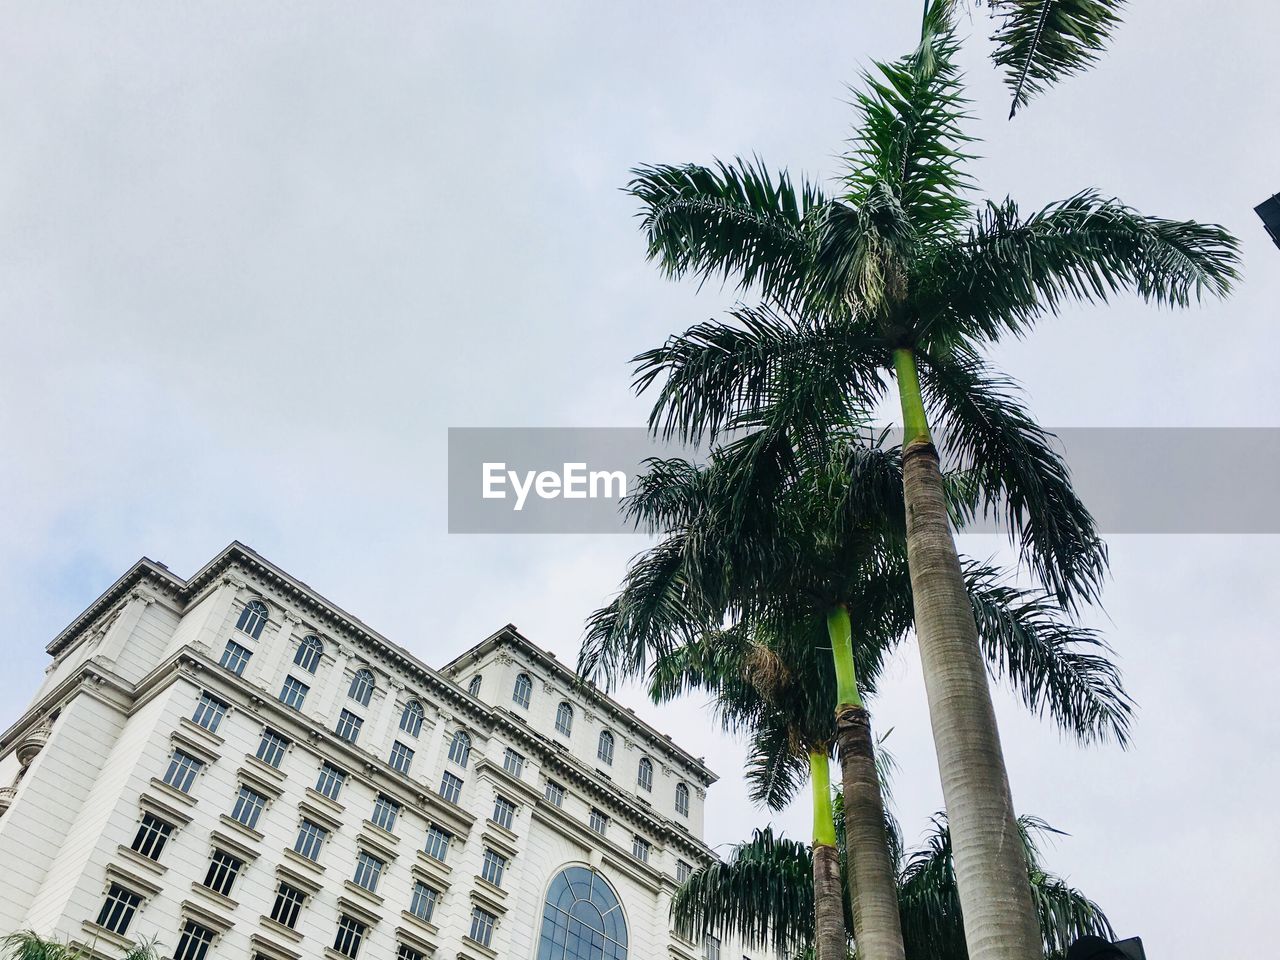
(348, 727)
(385, 811)
(235, 658)
(712, 947)
(368, 871)
(598, 822)
(437, 843)
(118, 909)
(482, 922)
(451, 787)
(194, 942)
(350, 935)
(182, 770)
(401, 758)
(640, 849)
(310, 840)
(294, 693)
(222, 873)
(406, 952)
(683, 872)
(153, 833)
(423, 902)
(555, 793)
(249, 806)
(329, 783)
(513, 762)
(288, 905)
(504, 812)
(271, 748)
(493, 866)
(209, 712)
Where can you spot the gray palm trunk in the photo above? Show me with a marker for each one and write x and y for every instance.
(830, 941)
(873, 889)
(990, 864)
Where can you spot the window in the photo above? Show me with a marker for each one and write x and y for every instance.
(644, 774)
(523, 690)
(310, 840)
(293, 693)
(153, 833)
(504, 812)
(253, 618)
(683, 872)
(493, 866)
(329, 783)
(406, 952)
(513, 762)
(450, 787)
(368, 871)
(712, 947)
(235, 658)
(118, 909)
(555, 793)
(564, 719)
(423, 902)
(682, 799)
(248, 807)
(222, 872)
(401, 757)
(582, 919)
(288, 905)
(460, 748)
(482, 922)
(385, 811)
(182, 770)
(411, 719)
(437, 846)
(604, 749)
(209, 712)
(350, 934)
(361, 689)
(194, 942)
(271, 748)
(309, 653)
(473, 687)
(598, 821)
(348, 727)
(640, 848)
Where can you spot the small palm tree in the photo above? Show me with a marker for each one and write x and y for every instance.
(29, 945)
(900, 276)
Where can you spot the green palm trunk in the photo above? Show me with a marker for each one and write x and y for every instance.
(830, 940)
(877, 928)
(991, 871)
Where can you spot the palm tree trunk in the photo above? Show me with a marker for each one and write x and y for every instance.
(830, 939)
(991, 872)
(873, 889)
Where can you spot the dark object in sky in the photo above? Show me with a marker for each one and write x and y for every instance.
(1095, 948)
(1269, 211)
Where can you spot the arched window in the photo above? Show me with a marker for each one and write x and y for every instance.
(361, 689)
(523, 690)
(682, 799)
(564, 719)
(253, 618)
(460, 748)
(582, 919)
(411, 719)
(309, 653)
(604, 749)
(644, 775)
(473, 687)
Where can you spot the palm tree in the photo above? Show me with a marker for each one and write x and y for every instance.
(29, 945)
(797, 555)
(762, 894)
(900, 276)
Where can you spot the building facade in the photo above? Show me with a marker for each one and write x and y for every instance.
(236, 768)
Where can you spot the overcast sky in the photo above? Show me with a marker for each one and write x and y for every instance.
(255, 259)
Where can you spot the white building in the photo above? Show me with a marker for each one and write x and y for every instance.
(234, 766)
